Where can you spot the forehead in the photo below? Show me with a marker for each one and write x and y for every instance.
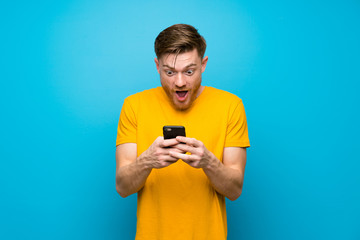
(181, 60)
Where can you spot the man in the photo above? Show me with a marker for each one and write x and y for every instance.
(182, 182)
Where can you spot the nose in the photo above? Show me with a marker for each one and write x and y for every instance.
(180, 81)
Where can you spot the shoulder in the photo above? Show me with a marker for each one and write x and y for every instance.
(146, 94)
(222, 95)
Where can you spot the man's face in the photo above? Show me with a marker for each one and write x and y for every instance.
(181, 77)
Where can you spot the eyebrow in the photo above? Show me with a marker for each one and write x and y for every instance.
(187, 66)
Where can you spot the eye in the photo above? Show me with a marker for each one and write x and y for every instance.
(190, 72)
(169, 73)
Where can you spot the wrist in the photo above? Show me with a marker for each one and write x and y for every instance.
(213, 163)
(143, 163)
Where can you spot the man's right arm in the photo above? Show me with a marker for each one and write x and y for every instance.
(132, 171)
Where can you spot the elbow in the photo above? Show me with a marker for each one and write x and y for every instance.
(121, 192)
(121, 187)
(235, 195)
(237, 190)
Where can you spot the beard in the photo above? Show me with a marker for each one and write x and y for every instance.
(191, 95)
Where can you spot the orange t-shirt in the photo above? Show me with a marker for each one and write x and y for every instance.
(178, 201)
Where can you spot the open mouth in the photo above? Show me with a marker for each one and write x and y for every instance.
(181, 95)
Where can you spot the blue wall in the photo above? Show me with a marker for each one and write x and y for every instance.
(66, 67)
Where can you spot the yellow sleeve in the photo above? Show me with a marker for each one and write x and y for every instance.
(127, 127)
(237, 131)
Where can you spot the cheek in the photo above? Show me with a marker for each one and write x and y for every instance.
(169, 81)
(162, 78)
(196, 79)
(166, 82)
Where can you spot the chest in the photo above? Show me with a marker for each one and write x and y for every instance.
(206, 123)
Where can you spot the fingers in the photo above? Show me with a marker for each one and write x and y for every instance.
(163, 160)
(170, 159)
(189, 141)
(179, 139)
(162, 154)
(176, 150)
(162, 164)
(178, 155)
(185, 148)
(168, 143)
(184, 156)
(169, 151)
(198, 156)
(158, 153)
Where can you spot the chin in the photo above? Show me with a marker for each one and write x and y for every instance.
(181, 107)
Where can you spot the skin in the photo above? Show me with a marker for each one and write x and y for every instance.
(180, 73)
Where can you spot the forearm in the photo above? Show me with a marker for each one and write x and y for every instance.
(133, 171)
(226, 180)
(131, 178)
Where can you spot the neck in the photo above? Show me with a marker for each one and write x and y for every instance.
(201, 88)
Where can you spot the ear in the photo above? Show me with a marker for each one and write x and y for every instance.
(203, 63)
(157, 65)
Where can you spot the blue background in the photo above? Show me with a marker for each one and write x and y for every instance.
(66, 67)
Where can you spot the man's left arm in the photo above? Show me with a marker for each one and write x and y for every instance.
(226, 177)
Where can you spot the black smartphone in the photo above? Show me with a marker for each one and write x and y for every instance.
(173, 131)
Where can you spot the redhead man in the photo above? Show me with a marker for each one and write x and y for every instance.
(181, 182)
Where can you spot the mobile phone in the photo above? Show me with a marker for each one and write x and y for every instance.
(173, 131)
